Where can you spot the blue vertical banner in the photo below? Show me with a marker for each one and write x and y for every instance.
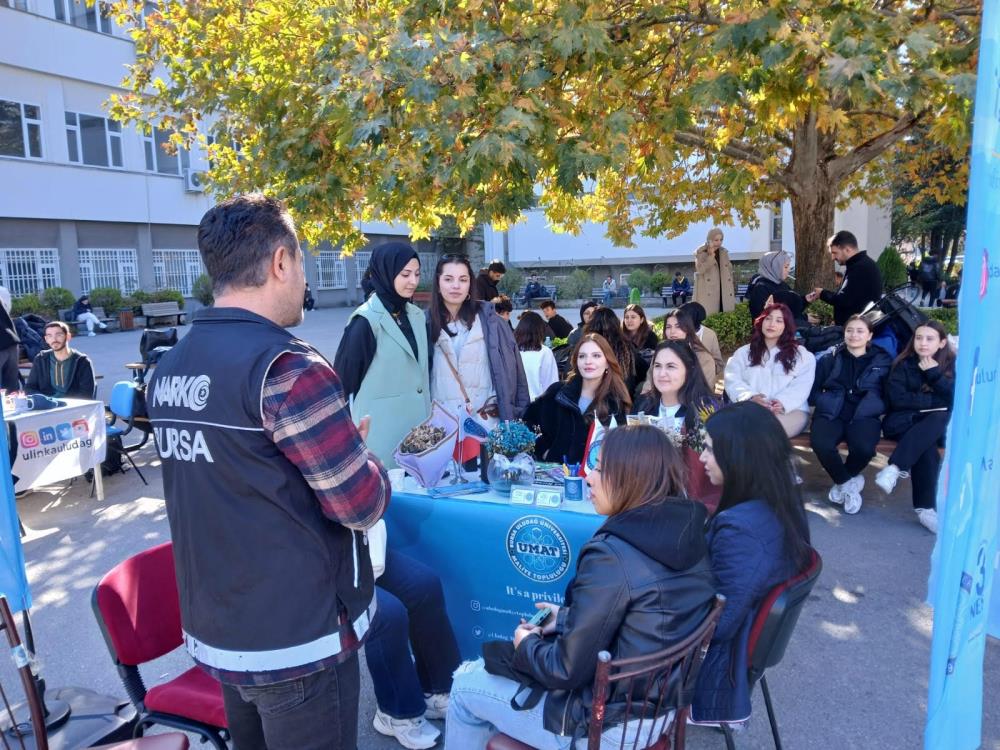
(13, 579)
(964, 565)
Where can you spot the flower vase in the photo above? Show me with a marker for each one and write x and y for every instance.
(504, 472)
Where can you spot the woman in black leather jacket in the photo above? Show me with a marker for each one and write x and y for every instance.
(847, 394)
(643, 582)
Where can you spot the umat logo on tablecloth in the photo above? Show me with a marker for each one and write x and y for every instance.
(538, 549)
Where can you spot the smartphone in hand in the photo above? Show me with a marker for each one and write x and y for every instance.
(539, 618)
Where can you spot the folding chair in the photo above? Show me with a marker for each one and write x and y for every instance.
(645, 684)
(122, 406)
(772, 630)
(32, 733)
(138, 610)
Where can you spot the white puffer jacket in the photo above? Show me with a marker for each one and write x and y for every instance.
(769, 378)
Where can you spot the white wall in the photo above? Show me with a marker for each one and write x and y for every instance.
(533, 242)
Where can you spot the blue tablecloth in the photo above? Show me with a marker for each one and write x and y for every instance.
(495, 559)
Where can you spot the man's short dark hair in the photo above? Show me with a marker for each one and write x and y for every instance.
(503, 304)
(57, 324)
(548, 303)
(843, 238)
(238, 236)
(497, 267)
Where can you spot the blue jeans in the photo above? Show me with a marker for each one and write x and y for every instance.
(480, 707)
(411, 615)
(315, 712)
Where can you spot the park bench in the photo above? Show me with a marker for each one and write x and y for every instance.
(667, 295)
(884, 447)
(550, 294)
(741, 291)
(67, 317)
(597, 294)
(154, 311)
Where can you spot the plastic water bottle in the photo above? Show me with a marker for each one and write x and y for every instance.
(548, 341)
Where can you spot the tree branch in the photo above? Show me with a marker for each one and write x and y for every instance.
(842, 166)
(733, 149)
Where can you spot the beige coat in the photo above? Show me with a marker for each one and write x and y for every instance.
(711, 342)
(706, 283)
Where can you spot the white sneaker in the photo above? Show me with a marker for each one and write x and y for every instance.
(437, 705)
(415, 734)
(928, 519)
(887, 478)
(852, 501)
(836, 495)
(91, 333)
(855, 484)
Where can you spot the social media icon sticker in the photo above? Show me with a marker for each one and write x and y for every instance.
(47, 435)
(81, 428)
(64, 431)
(29, 439)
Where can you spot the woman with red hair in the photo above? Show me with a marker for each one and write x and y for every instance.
(773, 370)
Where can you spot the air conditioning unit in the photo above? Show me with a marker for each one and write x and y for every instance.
(194, 181)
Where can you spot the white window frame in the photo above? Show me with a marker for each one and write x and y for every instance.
(177, 269)
(96, 262)
(103, 21)
(26, 124)
(46, 272)
(331, 270)
(361, 260)
(151, 153)
(110, 137)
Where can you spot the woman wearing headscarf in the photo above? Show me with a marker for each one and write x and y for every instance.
(382, 357)
(713, 285)
(770, 283)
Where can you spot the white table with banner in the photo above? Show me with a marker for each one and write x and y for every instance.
(58, 444)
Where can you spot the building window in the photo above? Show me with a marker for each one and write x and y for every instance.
(20, 130)
(776, 223)
(108, 268)
(93, 140)
(29, 270)
(177, 269)
(361, 261)
(331, 270)
(95, 17)
(158, 159)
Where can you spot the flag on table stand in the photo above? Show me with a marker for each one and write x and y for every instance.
(471, 435)
(964, 563)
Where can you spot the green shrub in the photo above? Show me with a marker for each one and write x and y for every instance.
(892, 267)
(732, 328)
(139, 297)
(578, 285)
(641, 279)
(512, 281)
(57, 298)
(202, 290)
(657, 281)
(107, 297)
(821, 310)
(169, 295)
(948, 316)
(29, 303)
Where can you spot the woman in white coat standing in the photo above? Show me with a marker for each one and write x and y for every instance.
(773, 370)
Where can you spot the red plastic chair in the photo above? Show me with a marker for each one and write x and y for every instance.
(772, 630)
(137, 607)
(645, 676)
(32, 732)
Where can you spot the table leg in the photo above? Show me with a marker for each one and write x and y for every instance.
(99, 483)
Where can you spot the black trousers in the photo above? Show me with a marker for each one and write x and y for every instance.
(861, 435)
(683, 295)
(917, 452)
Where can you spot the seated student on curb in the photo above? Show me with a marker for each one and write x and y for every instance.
(679, 326)
(759, 538)
(635, 328)
(847, 396)
(594, 390)
(605, 322)
(675, 390)
(773, 370)
(707, 336)
(559, 326)
(586, 313)
(643, 583)
(920, 391)
(59, 370)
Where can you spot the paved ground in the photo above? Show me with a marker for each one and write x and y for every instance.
(855, 675)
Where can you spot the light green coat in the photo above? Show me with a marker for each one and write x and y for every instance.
(395, 392)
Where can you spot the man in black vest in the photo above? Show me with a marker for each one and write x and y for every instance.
(862, 282)
(269, 490)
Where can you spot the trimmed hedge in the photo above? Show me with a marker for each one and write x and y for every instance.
(948, 316)
(28, 303)
(732, 328)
